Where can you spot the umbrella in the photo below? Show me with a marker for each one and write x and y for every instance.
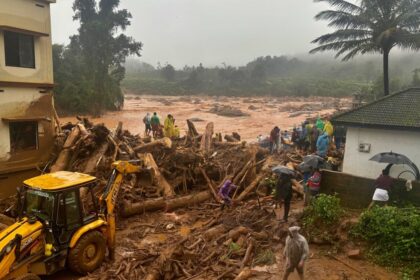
(391, 157)
(313, 160)
(280, 169)
(303, 167)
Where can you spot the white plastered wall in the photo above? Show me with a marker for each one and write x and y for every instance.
(381, 140)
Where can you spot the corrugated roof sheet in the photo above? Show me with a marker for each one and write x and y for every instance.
(400, 110)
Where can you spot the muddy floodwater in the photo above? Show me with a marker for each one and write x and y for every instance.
(261, 114)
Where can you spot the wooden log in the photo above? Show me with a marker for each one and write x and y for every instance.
(6, 220)
(158, 144)
(236, 136)
(95, 159)
(214, 232)
(235, 233)
(64, 156)
(158, 179)
(245, 274)
(250, 188)
(210, 185)
(231, 139)
(297, 187)
(83, 130)
(248, 253)
(192, 131)
(130, 209)
(207, 140)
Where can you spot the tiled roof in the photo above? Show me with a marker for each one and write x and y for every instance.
(400, 110)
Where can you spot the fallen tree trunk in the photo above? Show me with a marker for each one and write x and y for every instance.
(64, 156)
(6, 220)
(250, 188)
(192, 131)
(207, 139)
(162, 204)
(93, 162)
(149, 147)
(211, 187)
(158, 179)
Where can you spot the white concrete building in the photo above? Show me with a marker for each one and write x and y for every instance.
(389, 124)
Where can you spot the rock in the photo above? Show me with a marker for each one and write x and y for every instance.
(354, 254)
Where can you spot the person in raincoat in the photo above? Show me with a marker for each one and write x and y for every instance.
(169, 129)
(155, 122)
(274, 139)
(328, 128)
(322, 145)
(319, 124)
(147, 123)
(224, 193)
(314, 183)
(296, 252)
(314, 138)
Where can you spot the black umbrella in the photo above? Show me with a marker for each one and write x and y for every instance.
(280, 169)
(391, 157)
(313, 160)
(303, 167)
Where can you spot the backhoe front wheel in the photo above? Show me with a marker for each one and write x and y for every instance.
(88, 254)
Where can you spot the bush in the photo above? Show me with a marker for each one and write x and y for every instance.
(393, 235)
(325, 210)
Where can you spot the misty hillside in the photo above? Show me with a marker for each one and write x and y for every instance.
(274, 75)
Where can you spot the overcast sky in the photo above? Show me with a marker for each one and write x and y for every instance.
(210, 31)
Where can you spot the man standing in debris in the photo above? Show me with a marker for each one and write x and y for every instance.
(296, 251)
(284, 194)
(383, 187)
(155, 122)
(224, 193)
(147, 123)
(274, 139)
(314, 183)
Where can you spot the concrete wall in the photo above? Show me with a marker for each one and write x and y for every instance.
(27, 15)
(358, 163)
(356, 192)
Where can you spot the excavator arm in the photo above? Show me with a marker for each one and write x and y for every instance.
(108, 199)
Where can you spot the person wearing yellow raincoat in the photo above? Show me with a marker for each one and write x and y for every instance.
(169, 129)
(328, 128)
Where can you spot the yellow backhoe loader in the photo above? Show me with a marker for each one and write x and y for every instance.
(62, 224)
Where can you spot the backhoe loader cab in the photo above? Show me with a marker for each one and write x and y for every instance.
(61, 223)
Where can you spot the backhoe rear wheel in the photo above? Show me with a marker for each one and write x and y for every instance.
(88, 254)
(28, 276)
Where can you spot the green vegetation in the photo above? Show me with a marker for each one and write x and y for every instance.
(393, 235)
(88, 71)
(370, 27)
(323, 211)
(274, 76)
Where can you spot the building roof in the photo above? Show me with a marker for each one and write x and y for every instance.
(400, 110)
(58, 180)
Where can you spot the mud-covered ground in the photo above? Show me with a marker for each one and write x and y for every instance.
(261, 114)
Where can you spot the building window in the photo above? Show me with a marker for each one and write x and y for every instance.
(19, 50)
(23, 136)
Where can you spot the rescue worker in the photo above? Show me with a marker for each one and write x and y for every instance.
(274, 139)
(169, 127)
(296, 252)
(224, 193)
(322, 145)
(155, 122)
(314, 183)
(383, 187)
(147, 123)
(284, 194)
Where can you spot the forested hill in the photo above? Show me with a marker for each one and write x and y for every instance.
(278, 76)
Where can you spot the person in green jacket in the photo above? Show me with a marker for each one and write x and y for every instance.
(155, 122)
(320, 125)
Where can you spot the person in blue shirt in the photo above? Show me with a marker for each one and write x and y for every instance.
(322, 145)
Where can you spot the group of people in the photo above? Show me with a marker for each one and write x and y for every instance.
(153, 126)
(310, 137)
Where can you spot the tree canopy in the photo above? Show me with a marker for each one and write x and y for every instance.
(369, 26)
(90, 69)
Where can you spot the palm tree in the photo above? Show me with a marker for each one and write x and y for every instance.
(369, 26)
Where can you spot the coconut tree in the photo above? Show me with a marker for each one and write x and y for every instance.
(370, 26)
